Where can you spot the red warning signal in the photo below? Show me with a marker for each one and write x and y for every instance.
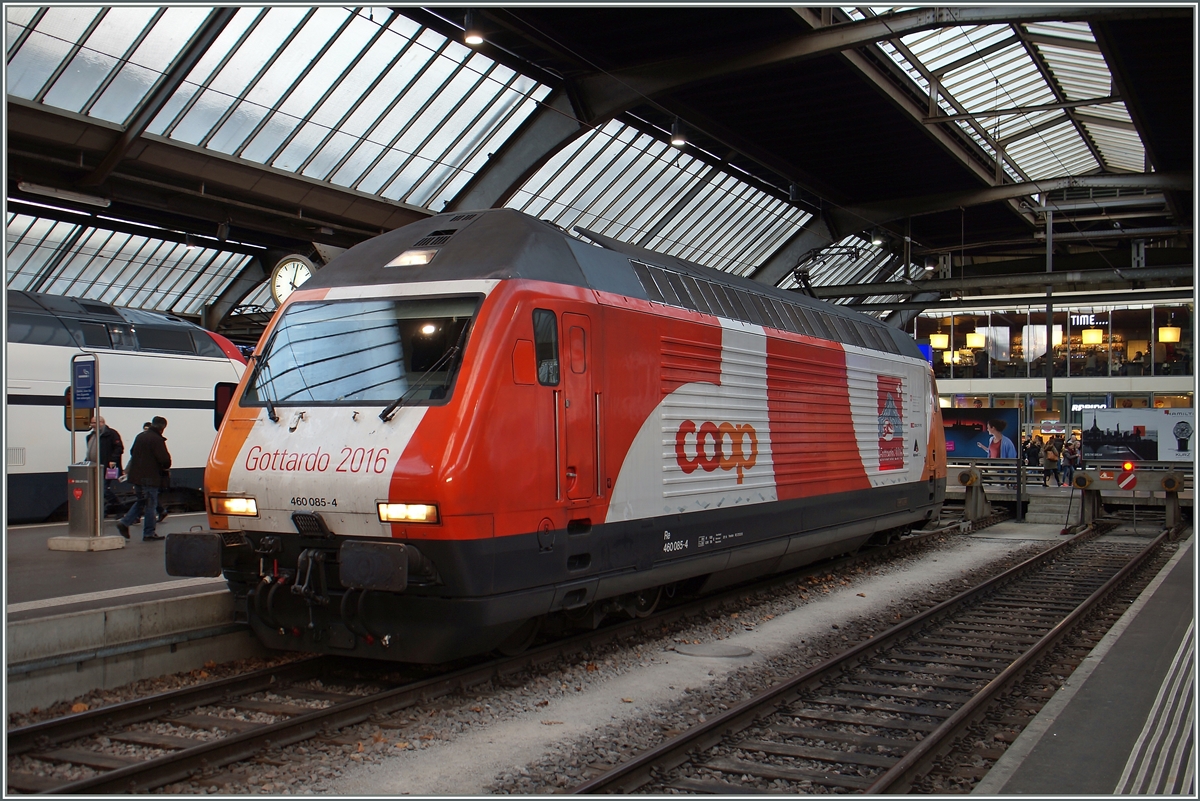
(1127, 466)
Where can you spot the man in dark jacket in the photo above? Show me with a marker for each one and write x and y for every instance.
(148, 472)
(111, 451)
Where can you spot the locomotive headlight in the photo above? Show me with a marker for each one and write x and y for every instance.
(239, 506)
(413, 258)
(408, 512)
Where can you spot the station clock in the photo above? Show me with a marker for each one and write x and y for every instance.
(289, 273)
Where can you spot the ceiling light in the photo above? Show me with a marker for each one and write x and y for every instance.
(939, 341)
(975, 340)
(1093, 336)
(793, 193)
(471, 34)
(1168, 333)
(64, 194)
(677, 137)
(948, 357)
(876, 237)
(428, 329)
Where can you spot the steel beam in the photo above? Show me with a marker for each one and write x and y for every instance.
(652, 79)
(813, 236)
(249, 279)
(1067, 300)
(879, 213)
(547, 131)
(158, 97)
(948, 285)
(996, 112)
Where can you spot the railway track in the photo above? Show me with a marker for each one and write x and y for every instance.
(875, 718)
(148, 743)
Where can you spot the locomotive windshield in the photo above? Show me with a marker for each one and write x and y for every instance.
(363, 351)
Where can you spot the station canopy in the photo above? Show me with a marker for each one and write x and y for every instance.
(165, 157)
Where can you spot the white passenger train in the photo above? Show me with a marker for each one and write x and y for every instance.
(150, 364)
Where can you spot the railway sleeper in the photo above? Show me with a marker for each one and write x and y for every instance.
(747, 768)
(807, 733)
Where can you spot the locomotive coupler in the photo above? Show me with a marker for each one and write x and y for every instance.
(310, 578)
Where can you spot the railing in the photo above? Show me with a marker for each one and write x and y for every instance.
(1011, 474)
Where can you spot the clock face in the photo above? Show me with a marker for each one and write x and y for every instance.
(1183, 429)
(288, 275)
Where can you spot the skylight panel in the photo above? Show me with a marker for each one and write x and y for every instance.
(123, 269)
(635, 188)
(1053, 152)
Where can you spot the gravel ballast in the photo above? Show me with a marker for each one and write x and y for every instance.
(596, 712)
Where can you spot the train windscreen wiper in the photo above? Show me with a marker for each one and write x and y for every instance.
(260, 363)
(390, 411)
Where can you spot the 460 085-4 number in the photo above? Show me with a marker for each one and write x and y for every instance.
(315, 502)
(363, 460)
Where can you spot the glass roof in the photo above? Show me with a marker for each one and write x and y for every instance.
(361, 98)
(61, 258)
(1006, 68)
(633, 187)
(365, 98)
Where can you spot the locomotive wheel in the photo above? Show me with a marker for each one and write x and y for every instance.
(522, 638)
(645, 602)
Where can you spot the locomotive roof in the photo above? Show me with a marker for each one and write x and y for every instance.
(508, 244)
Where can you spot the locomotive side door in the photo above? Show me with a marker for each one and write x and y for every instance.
(578, 405)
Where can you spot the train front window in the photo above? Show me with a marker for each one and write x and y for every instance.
(363, 351)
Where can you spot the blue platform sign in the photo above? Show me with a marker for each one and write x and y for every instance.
(85, 385)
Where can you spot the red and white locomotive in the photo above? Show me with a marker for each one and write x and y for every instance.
(476, 422)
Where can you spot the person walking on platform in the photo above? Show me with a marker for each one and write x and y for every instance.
(112, 448)
(148, 471)
(162, 513)
(1050, 464)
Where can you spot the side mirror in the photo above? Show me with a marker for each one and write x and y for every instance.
(222, 399)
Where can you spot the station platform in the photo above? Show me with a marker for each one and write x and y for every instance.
(78, 621)
(1123, 722)
(41, 582)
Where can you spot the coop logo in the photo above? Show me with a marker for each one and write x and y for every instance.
(891, 424)
(727, 446)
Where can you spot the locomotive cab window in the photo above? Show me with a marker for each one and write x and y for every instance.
(545, 343)
(336, 353)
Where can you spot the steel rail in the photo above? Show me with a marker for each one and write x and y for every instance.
(899, 777)
(673, 752)
(182, 764)
(83, 724)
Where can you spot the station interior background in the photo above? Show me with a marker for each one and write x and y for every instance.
(1012, 186)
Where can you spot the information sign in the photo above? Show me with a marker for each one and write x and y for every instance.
(85, 384)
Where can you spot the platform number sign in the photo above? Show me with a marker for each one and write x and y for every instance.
(1127, 478)
(85, 385)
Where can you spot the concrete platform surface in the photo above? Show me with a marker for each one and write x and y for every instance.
(1123, 722)
(35, 573)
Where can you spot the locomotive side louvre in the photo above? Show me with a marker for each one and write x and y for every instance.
(610, 426)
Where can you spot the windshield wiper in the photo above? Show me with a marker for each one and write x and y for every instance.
(260, 362)
(390, 411)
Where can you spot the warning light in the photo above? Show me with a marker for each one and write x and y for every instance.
(1127, 466)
